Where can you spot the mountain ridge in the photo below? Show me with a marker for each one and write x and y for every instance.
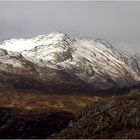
(93, 62)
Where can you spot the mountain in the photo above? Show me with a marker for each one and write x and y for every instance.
(46, 81)
(56, 62)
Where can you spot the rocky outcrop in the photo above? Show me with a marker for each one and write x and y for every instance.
(115, 117)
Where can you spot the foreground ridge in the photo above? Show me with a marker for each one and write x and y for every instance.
(114, 117)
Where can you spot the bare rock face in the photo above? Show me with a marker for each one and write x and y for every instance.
(115, 117)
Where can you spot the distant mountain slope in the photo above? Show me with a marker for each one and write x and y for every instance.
(59, 58)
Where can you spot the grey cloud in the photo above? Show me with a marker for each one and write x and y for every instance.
(117, 22)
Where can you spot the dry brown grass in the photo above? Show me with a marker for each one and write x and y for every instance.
(36, 101)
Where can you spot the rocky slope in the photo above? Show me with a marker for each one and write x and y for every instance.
(115, 117)
(58, 60)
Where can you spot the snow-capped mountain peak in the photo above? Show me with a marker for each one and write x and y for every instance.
(95, 62)
(19, 45)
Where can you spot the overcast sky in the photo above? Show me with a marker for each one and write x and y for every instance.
(117, 22)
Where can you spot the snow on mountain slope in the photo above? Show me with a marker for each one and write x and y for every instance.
(93, 61)
(18, 45)
(9, 58)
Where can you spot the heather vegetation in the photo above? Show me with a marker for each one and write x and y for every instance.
(114, 117)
